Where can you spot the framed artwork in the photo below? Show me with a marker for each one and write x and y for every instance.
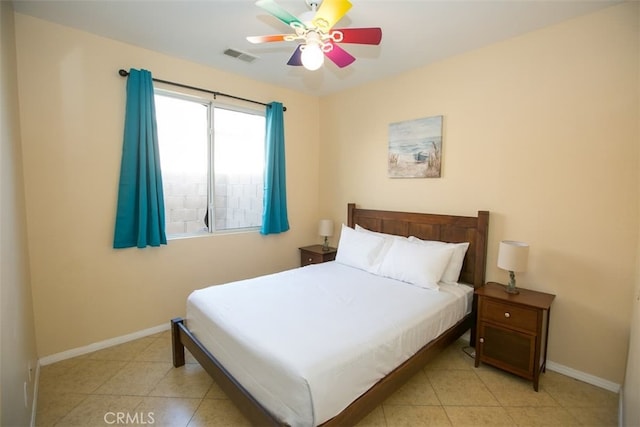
(415, 148)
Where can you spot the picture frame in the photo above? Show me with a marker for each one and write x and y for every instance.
(415, 148)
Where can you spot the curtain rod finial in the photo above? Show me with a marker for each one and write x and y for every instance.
(123, 73)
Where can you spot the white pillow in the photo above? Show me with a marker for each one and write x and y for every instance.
(361, 229)
(421, 265)
(359, 250)
(388, 239)
(452, 272)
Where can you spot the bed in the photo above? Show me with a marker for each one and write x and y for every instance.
(318, 378)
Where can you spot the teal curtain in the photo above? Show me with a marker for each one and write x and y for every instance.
(140, 214)
(274, 212)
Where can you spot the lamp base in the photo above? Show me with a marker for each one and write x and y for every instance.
(512, 291)
(325, 245)
(511, 287)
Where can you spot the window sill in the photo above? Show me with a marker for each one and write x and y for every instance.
(205, 233)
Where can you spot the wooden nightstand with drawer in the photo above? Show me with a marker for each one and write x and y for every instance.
(512, 330)
(315, 255)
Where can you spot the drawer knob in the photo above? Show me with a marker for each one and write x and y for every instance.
(481, 340)
(310, 259)
(507, 315)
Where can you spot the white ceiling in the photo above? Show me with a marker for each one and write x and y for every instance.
(414, 33)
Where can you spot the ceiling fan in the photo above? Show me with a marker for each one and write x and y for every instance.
(315, 33)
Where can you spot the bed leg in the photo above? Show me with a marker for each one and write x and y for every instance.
(176, 344)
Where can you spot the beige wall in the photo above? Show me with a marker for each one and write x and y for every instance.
(18, 341)
(72, 109)
(541, 130)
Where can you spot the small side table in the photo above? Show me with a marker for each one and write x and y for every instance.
(315, 255)
(513, 330)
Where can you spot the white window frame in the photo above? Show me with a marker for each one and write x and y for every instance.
(212, 104)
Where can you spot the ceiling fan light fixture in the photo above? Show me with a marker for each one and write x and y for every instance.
(315, 34)
(312, 56)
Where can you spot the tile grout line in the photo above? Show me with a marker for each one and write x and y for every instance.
(496, 398)
(446, 414)
(196, 410)
(93, 392)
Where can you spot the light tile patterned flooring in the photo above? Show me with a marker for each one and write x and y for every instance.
(137, 382)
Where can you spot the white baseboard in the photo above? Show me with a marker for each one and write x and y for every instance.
(621, 408)
(584, 377)
(74, 352)
(578, 375)
(575, 374)
(47, 360)
(34, 404)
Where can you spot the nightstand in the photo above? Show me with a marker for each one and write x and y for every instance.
(315, 255)
(512, 330)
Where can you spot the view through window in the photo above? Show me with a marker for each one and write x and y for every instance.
(213, 181)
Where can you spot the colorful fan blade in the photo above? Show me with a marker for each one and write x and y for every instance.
(330, 12)
(277, 11)
(296, 58)
(266, 39)
(339, 56)
(360, 35)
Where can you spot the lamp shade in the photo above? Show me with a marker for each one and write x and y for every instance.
(325, 228)
(513, 256)
(312, 56)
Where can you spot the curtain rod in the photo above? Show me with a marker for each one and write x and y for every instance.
(125, 73)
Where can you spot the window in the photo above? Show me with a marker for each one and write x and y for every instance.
(212, 180)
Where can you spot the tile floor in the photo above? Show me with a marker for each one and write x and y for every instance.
(137, 382)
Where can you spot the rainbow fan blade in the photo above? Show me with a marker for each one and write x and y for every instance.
(267, 39)
(296, 58)
(330, 12)
(339, 56)
(277, 11)
(360, 35)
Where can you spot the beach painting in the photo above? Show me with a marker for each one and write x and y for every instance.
(415, 148)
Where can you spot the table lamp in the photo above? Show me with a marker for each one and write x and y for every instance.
(325, 229)
(512, 256)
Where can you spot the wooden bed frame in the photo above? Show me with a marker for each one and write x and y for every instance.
(448, 228)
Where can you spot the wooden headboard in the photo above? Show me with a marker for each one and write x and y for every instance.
(446, 228)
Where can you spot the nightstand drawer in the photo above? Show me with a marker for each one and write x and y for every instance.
(314, 254)
(307, 258)
(509, 315)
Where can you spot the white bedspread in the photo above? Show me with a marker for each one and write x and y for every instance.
(307, 342)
